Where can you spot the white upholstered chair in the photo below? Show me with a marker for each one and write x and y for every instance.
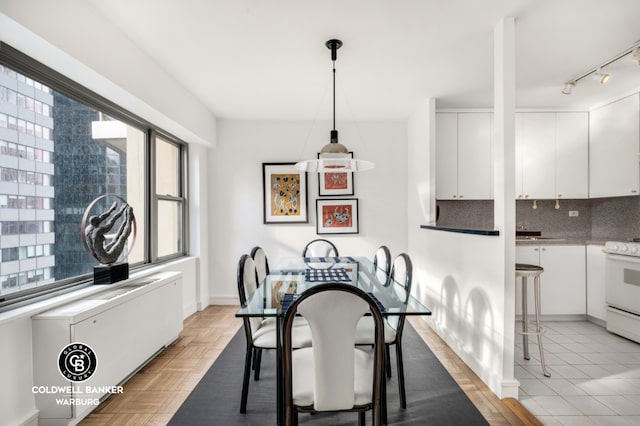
(320, 248)
(333, 374)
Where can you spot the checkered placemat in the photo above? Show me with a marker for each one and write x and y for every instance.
(330, 259)
(326, 275)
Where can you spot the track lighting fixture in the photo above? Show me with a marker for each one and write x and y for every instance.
(600, 76)
(597, 73)
(568, 87)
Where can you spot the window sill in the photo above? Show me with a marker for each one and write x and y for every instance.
(35, 308)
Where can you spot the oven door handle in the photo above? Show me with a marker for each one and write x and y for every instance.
(623, 258)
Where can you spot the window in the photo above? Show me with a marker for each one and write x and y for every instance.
(81, 146)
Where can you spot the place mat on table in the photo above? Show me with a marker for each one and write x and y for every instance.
(330, 259)
(287, 300)
(326, 275)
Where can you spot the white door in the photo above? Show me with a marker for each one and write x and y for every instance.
(614, 141)
(572, 155)
(447, 156)
(474, 156)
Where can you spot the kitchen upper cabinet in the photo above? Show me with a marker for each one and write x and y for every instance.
(463, 156)
(563, 282)
(551, 155)
(614, 131)
(572, 155)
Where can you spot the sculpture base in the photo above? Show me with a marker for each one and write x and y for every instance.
(110, 274)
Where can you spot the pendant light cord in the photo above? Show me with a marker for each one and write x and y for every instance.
(334, 95)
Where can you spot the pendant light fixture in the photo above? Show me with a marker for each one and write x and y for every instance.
(334, 157)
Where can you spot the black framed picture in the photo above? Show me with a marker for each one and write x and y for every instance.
(285, 193)
(337, 216)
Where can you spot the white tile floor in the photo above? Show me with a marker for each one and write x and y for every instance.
(595, 376)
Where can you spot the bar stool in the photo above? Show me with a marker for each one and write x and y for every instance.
(525, 271)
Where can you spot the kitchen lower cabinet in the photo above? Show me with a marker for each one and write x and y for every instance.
(563, 282)
(596, 282)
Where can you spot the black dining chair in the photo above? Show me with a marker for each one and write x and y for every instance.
(320, 248)
(382, 263)
(260, 333)
(333, 374)
(262, 265)
(401, 278)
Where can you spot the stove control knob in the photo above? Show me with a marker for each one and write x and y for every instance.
(624, 248)
(633, 249)
(614, 247)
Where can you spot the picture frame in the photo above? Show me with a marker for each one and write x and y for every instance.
(284, 194)
(335, 183)
(337, 216)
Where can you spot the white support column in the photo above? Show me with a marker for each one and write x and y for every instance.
(504, 184)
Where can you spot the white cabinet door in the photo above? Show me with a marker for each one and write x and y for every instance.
(614, 132)
(572, 155)
(563, 282)
(474, 156)
(537, 151)
(447, 156)
(596, 287)
(552, 155)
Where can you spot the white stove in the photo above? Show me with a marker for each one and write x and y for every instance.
(623, 248)
(623, 288)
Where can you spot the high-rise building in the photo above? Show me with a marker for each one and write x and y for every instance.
(27, 234)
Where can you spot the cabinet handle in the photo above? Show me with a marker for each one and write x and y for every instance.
(633, 191)
(461, 196)
(544, 249)
(559, 195)
(454, 196)
(535, 249)
(526, 196)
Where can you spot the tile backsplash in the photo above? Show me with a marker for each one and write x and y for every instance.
(600, 219)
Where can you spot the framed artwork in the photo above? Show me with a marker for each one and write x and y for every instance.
(285, 193)
(335, 183)
(337, 216)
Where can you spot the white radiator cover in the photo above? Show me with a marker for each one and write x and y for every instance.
(125, 325)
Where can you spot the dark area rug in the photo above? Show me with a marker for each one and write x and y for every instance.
(433, 397)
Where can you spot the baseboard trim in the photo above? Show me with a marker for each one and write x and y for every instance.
(223, 300)
(31, 420)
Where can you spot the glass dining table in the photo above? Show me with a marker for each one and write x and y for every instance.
(289, 277)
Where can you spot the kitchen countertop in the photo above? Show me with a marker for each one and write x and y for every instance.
(555, 241)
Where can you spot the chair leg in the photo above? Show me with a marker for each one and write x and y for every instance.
(258, 361)
(387, 356)
(400, 368)
(255, 355)
(361, 419)
(245, 379)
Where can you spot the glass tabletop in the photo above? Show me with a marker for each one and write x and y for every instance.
(294, 275)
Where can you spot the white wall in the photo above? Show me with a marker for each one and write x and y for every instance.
(236, 196)
(78, 33)
(81, 44)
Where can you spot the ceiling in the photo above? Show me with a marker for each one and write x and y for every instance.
(266, 60)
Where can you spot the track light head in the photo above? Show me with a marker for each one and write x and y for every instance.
(635, 55)
(568, 87)
(598, 75)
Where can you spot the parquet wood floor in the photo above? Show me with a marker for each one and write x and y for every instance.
(154, 393)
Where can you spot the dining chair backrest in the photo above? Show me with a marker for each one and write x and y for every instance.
(247, 285)
(382, 262)
(333, 311)
(262, 265)
(320, 248)
(401, 279)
